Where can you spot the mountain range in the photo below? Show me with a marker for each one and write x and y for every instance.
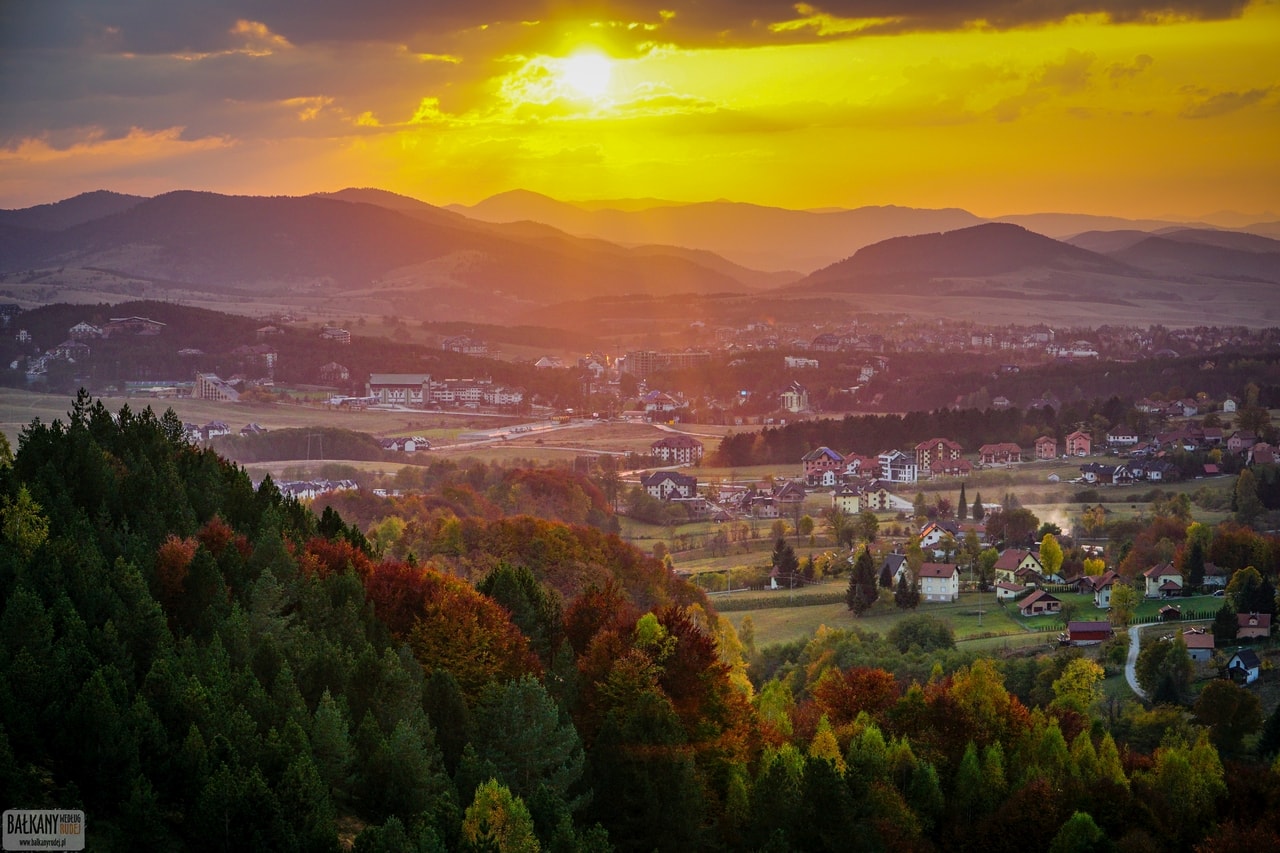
(517, 255)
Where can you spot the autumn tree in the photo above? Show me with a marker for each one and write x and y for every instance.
(1124, 603)
(1050, 554)
(496, 820)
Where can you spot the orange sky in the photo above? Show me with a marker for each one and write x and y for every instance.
(1126, 107)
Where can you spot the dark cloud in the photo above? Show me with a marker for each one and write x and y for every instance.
(161, 26)
(1225, 102)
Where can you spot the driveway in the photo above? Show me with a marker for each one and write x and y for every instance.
(1131, 665)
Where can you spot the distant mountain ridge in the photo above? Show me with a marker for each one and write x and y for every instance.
(990, 249)
(69, 212)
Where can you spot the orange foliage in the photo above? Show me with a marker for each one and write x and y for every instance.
(216, 535)
(323, 557)
(1145, 552)
(844, 695)
(468, 634)
(173, 558)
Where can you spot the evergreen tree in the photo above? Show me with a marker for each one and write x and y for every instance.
(1225, 625)
(979, 511)
(862, 592)
(907, 594)
(784, 560)
(962, 506)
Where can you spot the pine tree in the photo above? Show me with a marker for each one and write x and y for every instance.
(962, 507)
(862, 592)
(979, 511)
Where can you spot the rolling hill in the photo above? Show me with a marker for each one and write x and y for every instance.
(767, 238)
(991, 249)
(344, 247)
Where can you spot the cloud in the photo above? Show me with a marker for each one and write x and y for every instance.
(1120, 71)
(1222, 103)
(146, 26)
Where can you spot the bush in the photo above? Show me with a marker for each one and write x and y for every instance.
(928, 632)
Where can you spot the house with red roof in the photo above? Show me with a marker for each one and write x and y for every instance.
(1162, 581)
(939, 582)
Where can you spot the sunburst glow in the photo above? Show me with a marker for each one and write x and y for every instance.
(586, 75)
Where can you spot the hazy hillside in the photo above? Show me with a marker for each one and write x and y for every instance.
(983, 250)
(215, 242)
(759, 237)
(70, 211)
(1175, 257)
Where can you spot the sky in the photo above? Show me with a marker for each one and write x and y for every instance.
(1123, 107)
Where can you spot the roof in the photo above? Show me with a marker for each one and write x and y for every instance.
(1011, 557)
(946, 442)
(1038, 595)
(894, 561)
(815, 455)
(938, 570)
(1160, 570)
(1010, 587)
(1254, 620)
(1248, 658)
(1198, 641)
(398, 378)
(1001, 447)
(677, 441)
(1088, 627)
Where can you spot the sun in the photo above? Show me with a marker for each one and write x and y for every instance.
(586, 74)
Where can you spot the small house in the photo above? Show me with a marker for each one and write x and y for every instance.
(1088, 633)
(1244, 666)
(1039, 603)
(1253, 626)
(1199, 645)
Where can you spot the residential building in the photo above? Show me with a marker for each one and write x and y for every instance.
(1046, 447)
(1079, 443)
(677, 450)
(132, 326)
(666, 485)
(1199, 645)
(939, 582)
(936, 449)
(1019, 566)
(1162, 581)
(1244, 667)
(209, 387)
(403, 389)
(1039, 603)
(1253, 626)
(817, 462)
(898, 467)
(338, 336)
(1002, 453)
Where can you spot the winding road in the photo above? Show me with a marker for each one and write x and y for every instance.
(1131, 665)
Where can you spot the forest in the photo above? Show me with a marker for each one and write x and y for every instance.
(202, 664)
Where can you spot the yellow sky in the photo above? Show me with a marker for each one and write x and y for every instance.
(1082, 115)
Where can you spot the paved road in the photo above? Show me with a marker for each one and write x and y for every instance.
(1131, 665)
